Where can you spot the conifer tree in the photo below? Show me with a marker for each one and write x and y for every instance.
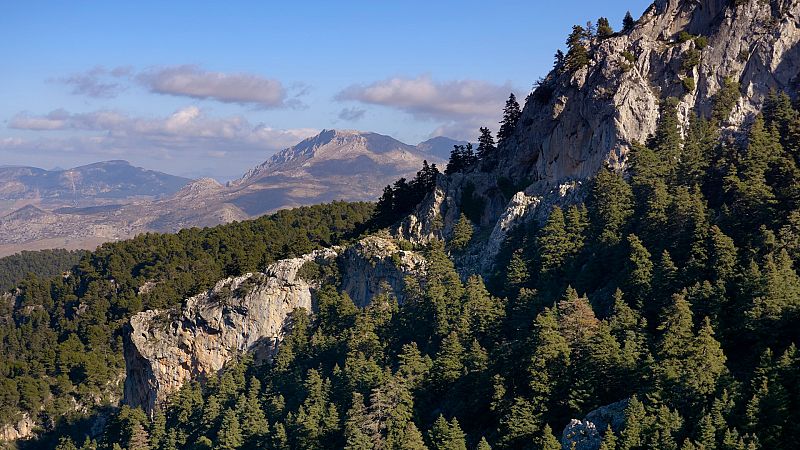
(230, 435)
(610, 207)
(628, 22)
(516, 272)
(486, 151)
(462, 233)
(554, 246)
(548, 441)
(483, 444)
(604, 29)
(508, 125)
(640, 270)
(355, 434)
(577, 54)
(609, 441)
(447, 436)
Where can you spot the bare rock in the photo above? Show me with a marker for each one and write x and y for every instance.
(164, 349)
(587, 434)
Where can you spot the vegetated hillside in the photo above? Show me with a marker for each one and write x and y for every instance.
(42, 264)
(668, 298)
(61, 345)
(657, 302)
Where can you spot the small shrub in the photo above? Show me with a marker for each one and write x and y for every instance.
(689, 84)
(690, 59)
(629, 56)
(701, 42)
(684, 36)
(744, 55)
(310, 271)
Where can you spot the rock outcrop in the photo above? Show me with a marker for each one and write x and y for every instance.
(22, 429)
(578, 121)
(587, 434)
(165, 349)
(374, 265)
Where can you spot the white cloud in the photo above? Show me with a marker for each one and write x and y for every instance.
(459, 106)
(425, 98)
(192, 81)
(187, 131)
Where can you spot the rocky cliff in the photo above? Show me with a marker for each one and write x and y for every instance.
(576, 122)
(165, 349)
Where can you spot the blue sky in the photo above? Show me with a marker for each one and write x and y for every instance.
(212, 88)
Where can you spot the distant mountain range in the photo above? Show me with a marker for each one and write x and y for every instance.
(88, 205)
(91, 185)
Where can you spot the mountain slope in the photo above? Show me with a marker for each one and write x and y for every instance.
(334, 165)
(93, 184)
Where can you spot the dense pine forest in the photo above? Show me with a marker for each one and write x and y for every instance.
(670, 291)
(43, 264)
(60, 337)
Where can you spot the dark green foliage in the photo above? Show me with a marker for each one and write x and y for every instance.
(462, 233)
(674, 287)
(61, 343)
(725, 100)
(462, 158)
(42, 264)
(604, 29)
(628, 22)
(508, 125)
(577, 53)
(400, 199)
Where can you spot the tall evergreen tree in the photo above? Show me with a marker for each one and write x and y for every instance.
(508, 125)
(577, 54)
(628, 22)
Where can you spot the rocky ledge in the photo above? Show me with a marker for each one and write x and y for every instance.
(165, 349)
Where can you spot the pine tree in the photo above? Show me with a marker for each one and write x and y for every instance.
(462, 233)
(628, 23)
(640, 270)
(486, 151)
(516, 272)
(355, 426)
(610, 206)
(508, 125)
(604, 29)
(577, 54)
(230, 434)
(447, 436)
(448, 365)
(548, 441)
(609, 441)
(554, 247)
(483, 444)
(667, 142)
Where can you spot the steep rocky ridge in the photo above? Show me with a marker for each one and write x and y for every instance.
(574, 123)
(164, 349)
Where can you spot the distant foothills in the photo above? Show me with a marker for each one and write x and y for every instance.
(82, 207)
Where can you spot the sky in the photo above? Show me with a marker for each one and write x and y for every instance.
(213, 88)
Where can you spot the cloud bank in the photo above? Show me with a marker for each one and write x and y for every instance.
(459, 105)
(192, 81)
(186, 132)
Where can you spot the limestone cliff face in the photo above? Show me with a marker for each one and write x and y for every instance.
(578, 121)
(374, 265)
(165, 349)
